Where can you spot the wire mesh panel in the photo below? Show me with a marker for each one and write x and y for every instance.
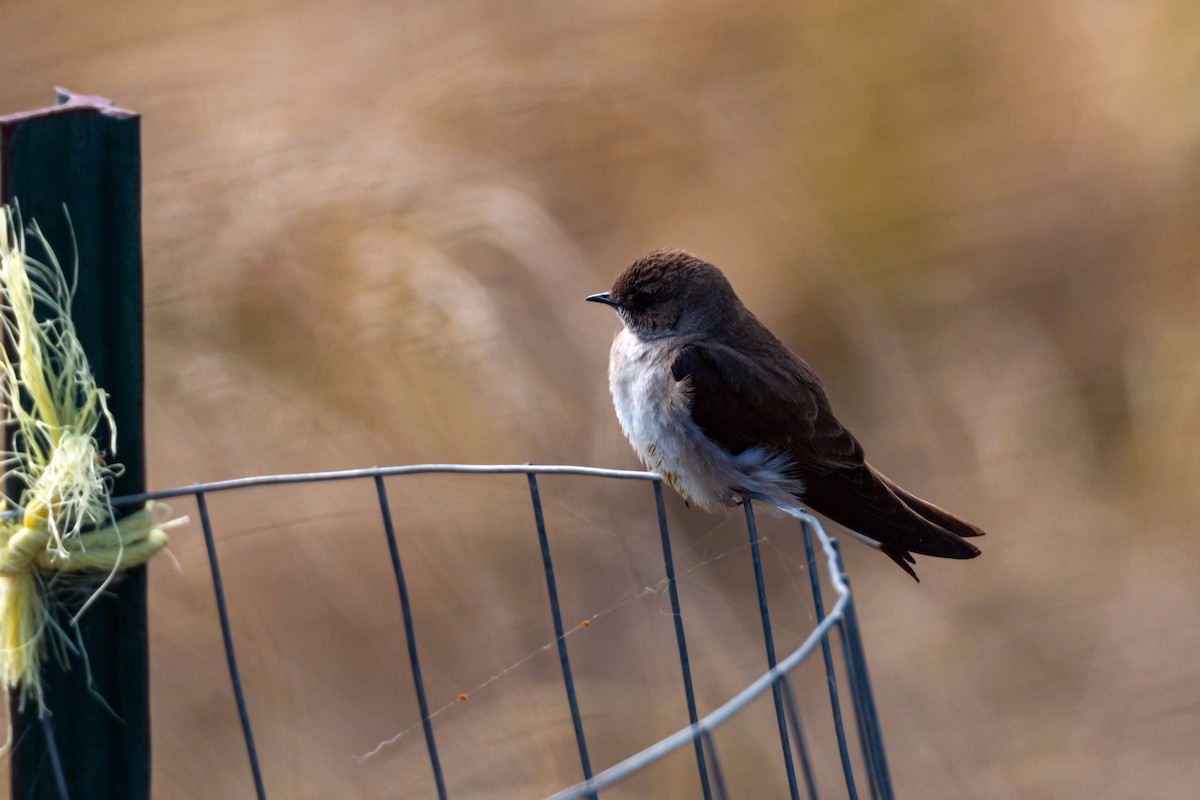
(848, 716)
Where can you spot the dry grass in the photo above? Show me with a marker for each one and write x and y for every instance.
(368, 233)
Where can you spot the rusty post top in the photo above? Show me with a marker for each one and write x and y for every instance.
(68, 102)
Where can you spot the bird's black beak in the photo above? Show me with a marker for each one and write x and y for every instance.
(603, 297)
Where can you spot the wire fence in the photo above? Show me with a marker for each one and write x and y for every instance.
(862, 732)
(85, 152)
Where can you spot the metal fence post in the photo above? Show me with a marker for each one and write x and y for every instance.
(84, 153)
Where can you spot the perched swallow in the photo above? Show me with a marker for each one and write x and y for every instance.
(718, 406)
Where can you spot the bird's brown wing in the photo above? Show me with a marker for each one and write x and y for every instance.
(740, 401)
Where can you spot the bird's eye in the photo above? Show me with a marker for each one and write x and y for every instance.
(642, 300)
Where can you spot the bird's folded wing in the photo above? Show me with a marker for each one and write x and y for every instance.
(742, 401)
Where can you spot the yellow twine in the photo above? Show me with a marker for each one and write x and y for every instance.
(54, 409)
(26, 557)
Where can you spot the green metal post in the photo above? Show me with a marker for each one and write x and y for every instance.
(84, 153)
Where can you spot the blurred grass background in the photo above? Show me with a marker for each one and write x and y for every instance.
(368, 231)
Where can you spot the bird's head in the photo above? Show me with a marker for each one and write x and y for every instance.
(670, 293)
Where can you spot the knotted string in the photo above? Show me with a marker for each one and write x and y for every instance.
(54, 410)
(29, 557)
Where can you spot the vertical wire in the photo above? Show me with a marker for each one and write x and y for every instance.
(684, 664)
(769, 640)
(718, 779)
(60, 780)
(865, 744)
(794, 716)
(227, 635)
(409, 633)
(568, 682)
(834, 702)
(874, 731)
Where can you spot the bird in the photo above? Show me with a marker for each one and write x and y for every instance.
(718, 406)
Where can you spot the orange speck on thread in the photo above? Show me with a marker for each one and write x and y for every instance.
(462, 698)
(585, 623)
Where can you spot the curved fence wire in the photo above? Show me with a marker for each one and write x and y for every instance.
(861, 732)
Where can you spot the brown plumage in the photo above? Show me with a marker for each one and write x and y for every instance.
(749, 395)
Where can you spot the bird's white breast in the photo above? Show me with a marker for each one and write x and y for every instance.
(654, 410)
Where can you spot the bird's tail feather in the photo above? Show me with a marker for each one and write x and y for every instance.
(860, 499)
(936, 515)
(903, 558)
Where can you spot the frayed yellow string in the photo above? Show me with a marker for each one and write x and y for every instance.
(127, 544)
(54, 409)
(26, 556)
